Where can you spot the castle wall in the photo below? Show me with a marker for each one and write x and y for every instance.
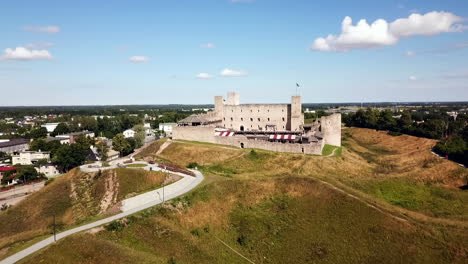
(331, 129)
(256, 117)
(206, 134)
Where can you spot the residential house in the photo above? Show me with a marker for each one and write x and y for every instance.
(29, 157)
(167, 128)
(48, 169)
(74, 135)
(129, 133)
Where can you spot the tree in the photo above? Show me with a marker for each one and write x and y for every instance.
(131, 145)
(102, 150)
(120, 143)
(40, 132)
(70, 156)
(140, 134)
(61, 129)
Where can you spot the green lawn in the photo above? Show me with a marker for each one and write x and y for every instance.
(137, 165)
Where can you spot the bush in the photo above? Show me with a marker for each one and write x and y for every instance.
(115, 226)
(49, 181)
(192, 165)
(393, 133)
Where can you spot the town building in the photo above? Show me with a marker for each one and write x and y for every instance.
(72, 136)
(15, 145)
(29, 157)
(48, 169)
(167, 128)
(129, 133)
(276, 127)
(50, 127)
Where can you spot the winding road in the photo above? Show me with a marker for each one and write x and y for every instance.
(129, 206)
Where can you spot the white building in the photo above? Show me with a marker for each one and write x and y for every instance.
(167, 127)
(129, 133)
(50, 126)
(48, 169)
(29, 157)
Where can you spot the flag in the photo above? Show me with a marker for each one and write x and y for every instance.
(298, 85)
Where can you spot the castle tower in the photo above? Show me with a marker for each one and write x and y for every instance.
(219, 106)
(233, 98)
(331, 129)
(297, 118)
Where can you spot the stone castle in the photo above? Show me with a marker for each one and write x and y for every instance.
(276, 127)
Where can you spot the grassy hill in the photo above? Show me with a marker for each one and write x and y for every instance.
(74, 199)
(383, 200)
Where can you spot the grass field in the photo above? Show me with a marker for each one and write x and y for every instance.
(74, 199)
(137, 165)
(403, 206)
(279, 220)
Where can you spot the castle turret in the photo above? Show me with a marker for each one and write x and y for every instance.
(297, 118)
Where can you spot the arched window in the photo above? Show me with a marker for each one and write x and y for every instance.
(268, 119)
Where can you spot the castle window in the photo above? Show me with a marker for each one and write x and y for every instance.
(232, 110)
(259, 119)
(242, 119)
(283, 110)
(268, 119)
(232, 119)
(251, 119)
(283, 118)
(268, 110)
(259, 110)
(250, 110)
(224, 118)
(283, 126)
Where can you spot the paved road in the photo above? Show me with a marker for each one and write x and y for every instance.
(130, 206)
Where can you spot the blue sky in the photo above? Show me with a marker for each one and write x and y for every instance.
(187, 51)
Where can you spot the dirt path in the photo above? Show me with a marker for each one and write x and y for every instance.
(395, 212)
(332, 154)
(164, 146)
(111, 192)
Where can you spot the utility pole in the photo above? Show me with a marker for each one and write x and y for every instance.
(55, 237)
(164, 181)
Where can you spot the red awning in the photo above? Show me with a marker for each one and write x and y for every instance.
(224, 134)
(3, 169)
(285, 137)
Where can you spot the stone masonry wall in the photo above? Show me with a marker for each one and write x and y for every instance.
(206, 134)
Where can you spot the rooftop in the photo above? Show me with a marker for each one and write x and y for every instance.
(14, 142)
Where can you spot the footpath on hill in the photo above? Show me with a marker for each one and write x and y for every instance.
(129, 206)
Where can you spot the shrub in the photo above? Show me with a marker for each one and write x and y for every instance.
(115, 226)
(49, 181)
(192, 165)
(393, 133)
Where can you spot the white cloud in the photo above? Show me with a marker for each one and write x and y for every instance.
(22, 53)
(232, 73)
(208, 46)
(412, 78)
(139, 59)
(204, 76)
(410, 53)
(381, 33)
(429, 24)
(43, 29)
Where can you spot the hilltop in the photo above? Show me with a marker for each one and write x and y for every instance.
(75, 198)
(379, 199)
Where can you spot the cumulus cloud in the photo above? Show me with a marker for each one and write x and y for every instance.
(24, 54)
(208, 46)
(232, 73)
(204, 76)
(138, 59)
(43, 29)
(381, 33)
(412, 78)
